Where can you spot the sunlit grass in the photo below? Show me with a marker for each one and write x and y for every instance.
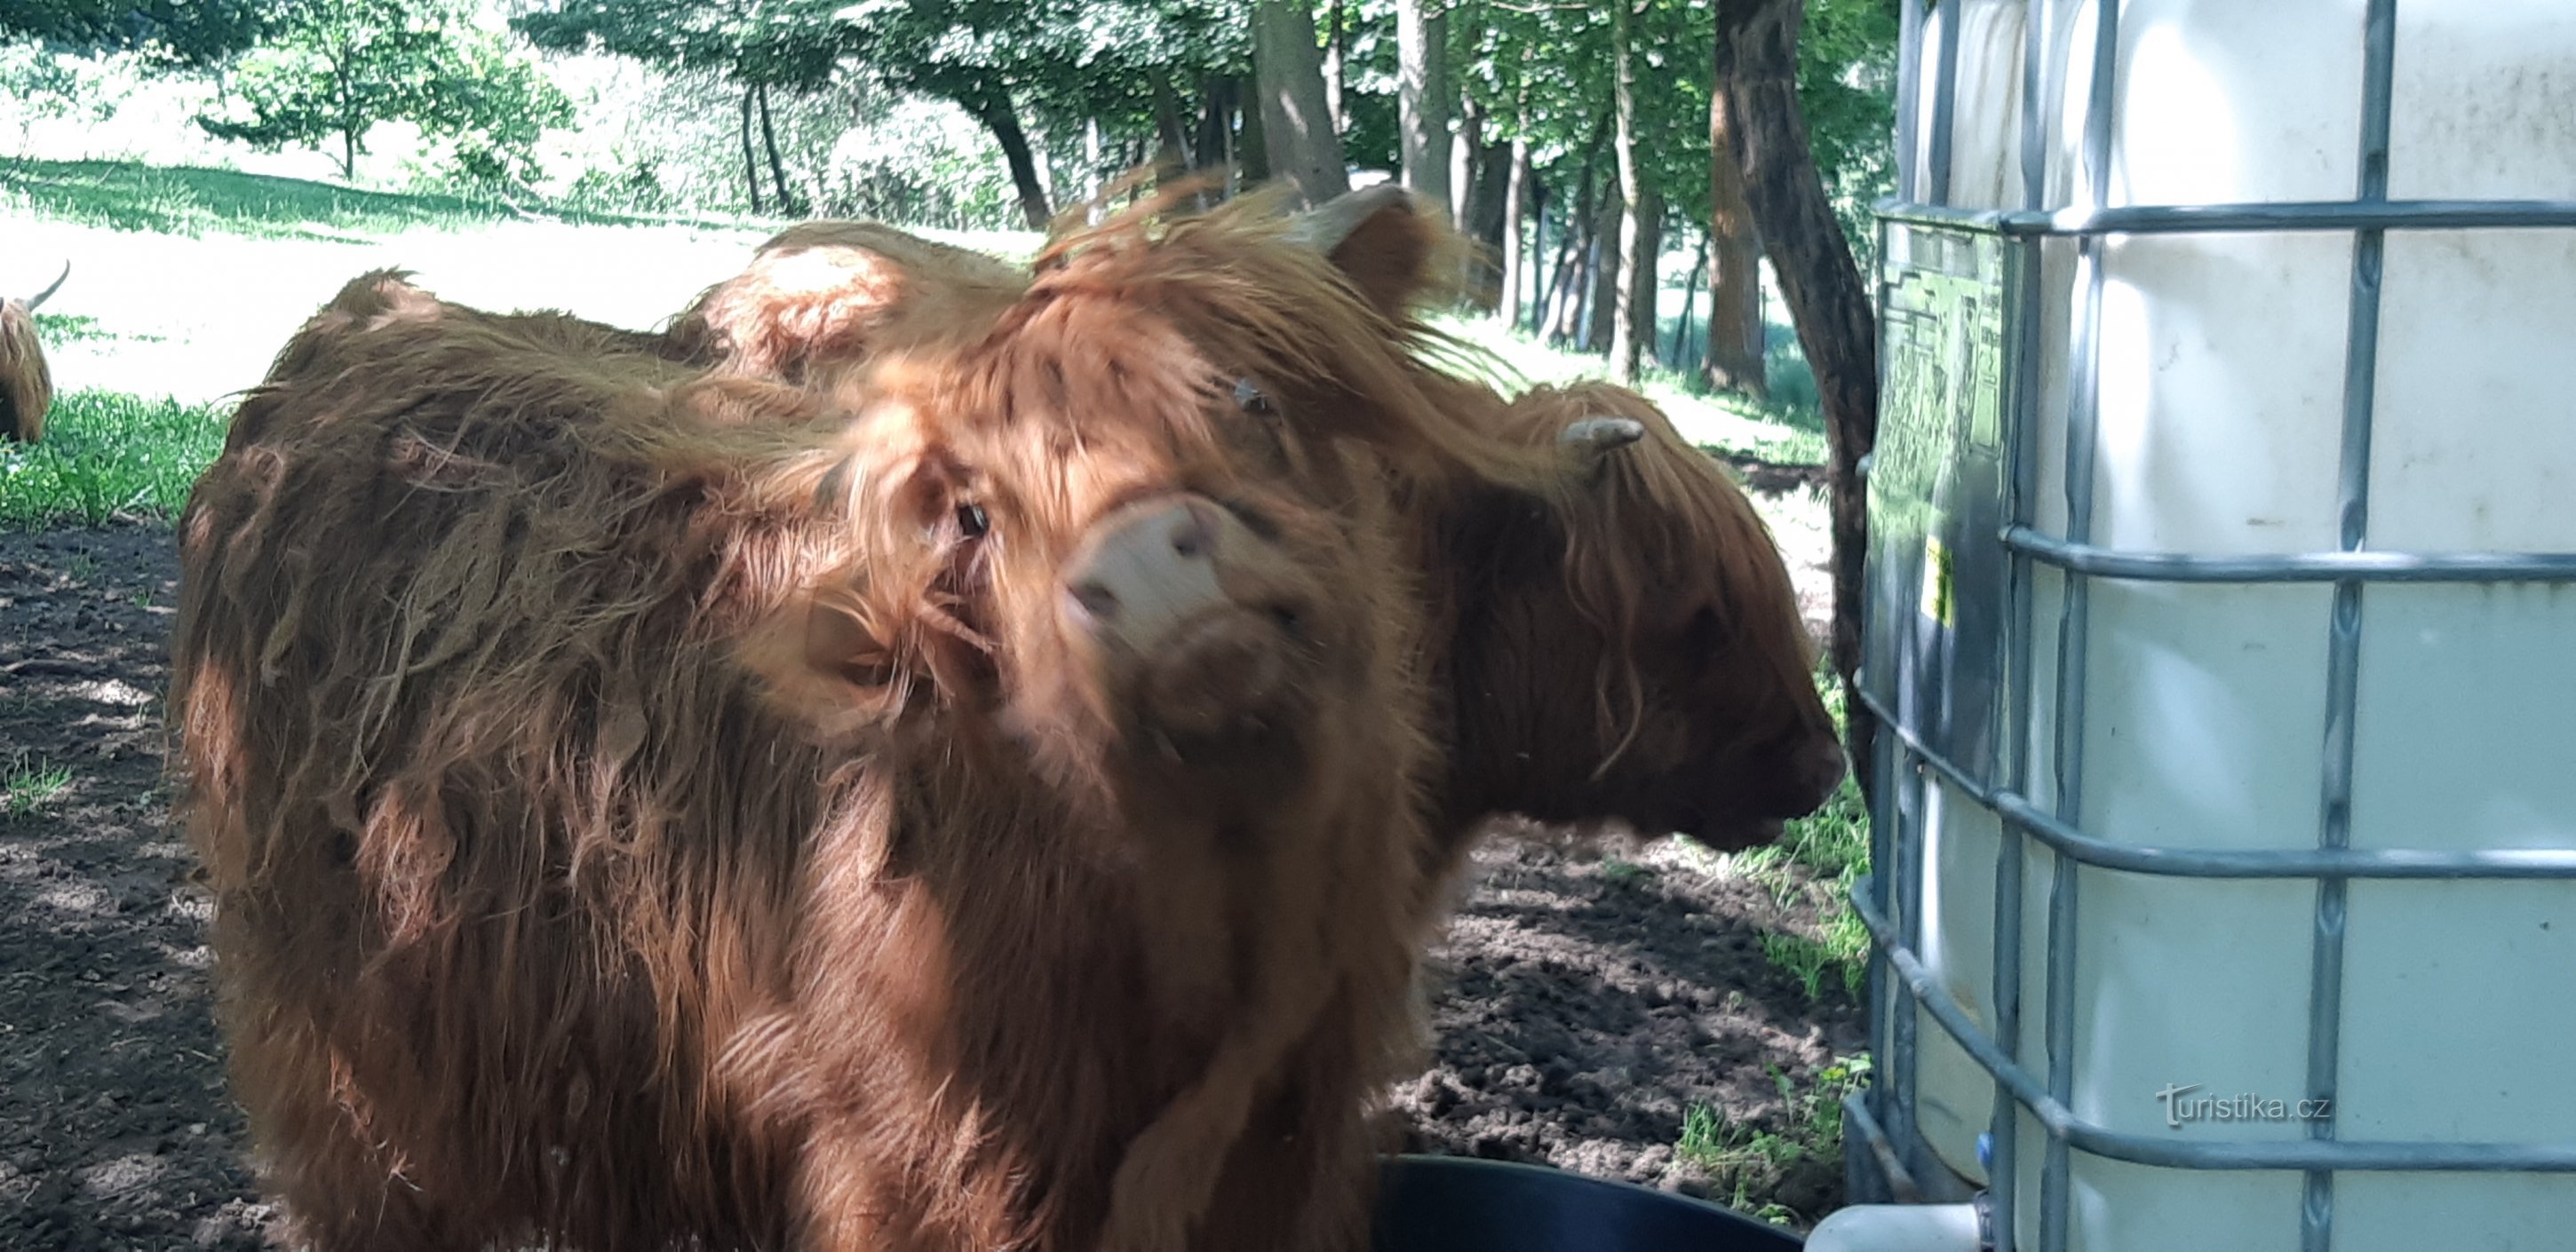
(106, 455)
(193, 201)
(1745, 1161)
(27, 786)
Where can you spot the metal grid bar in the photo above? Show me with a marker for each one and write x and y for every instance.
(2074, 629)
(2065, 1127)
(2176, 219)
(2348, 565)
(1909, 88)
(2021, 816)
(2023, 270)
(2343, 641)
(1945, 104)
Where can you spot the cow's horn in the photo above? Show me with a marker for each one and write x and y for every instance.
(1325, 226)
(41, 296)
(1596, 437)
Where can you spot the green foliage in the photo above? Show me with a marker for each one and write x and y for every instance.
(107, 454)
(74, 327)
(1543, 72)
(47, 86)
(1847, 90)
(338, 68)
(192, 33)
(1094, 58)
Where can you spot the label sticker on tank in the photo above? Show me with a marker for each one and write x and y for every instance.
(1936, 581)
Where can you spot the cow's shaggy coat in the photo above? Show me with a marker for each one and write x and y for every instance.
(26, 385)
(648, 808)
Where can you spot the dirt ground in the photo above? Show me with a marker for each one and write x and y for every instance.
(1584, 1003)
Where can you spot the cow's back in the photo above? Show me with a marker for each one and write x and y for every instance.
(441, 612)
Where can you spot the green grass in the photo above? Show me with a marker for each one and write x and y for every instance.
(1811, 869)
(193, 201)
(27, 786)
(1746, 1161)
(105, 455)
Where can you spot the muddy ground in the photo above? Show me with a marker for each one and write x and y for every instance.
(1585, 1003)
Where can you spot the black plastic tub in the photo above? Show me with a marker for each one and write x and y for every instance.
(1459, 1204)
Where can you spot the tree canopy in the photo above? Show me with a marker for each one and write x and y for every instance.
(335, 69)
(191, 33)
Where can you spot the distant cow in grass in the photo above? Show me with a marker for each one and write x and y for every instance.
(1628, 647)
(26, 386)
(978, 804)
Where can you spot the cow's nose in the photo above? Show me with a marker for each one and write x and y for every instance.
(1818, 770)
(1148, 567)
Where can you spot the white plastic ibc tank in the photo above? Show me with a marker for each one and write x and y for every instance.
(2221, 402)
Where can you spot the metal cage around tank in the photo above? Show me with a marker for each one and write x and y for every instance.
(1954, 567)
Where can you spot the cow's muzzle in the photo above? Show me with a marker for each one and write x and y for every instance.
(1195, 617)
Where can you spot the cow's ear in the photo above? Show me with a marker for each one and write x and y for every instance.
(1382, 238)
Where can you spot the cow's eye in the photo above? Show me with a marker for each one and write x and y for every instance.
(1249, 397)
(971, 521)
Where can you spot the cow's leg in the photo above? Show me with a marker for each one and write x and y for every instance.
(1301, 1178)
(1171, 1171)
(841, 1204)
(343, 1190)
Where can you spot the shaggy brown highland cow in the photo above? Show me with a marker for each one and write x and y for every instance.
(980, 804)
(1625, 647)
(26, 386)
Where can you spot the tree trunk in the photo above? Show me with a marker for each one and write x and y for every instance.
(991, 104)
(777, 169)
(1215, 148)
(1252, 152)
(1736, 337)
(1174, 158)
(1632, 322)
(1690, 296)
(1091, 179)
(1641, 249)
(1484, 224)
(1609, 228)
(1422, 98)
(1515, 207)
(1757, 66)
(750, 159)
(1304, 147)
(1573, 256)
(1463, 171)
(1542, 210)
(1337, 69)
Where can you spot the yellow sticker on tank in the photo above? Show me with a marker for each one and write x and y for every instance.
(1936, 581)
